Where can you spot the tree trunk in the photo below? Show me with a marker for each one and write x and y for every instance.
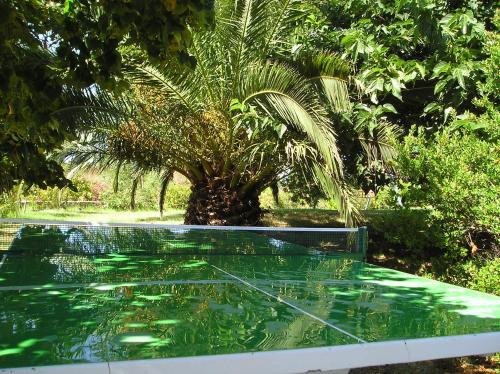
(135, 184)
(165, 180)
(276, 193)
(212, 202)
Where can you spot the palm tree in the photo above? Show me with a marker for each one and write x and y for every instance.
(249, 113)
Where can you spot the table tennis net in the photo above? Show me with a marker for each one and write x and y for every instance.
(39, 238)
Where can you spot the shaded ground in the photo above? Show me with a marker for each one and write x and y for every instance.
(296, 218)
(303, 218)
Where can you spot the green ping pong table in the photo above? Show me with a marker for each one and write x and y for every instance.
(82, 297)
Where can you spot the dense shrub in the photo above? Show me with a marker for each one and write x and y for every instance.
(286, 200)
(486, 276)
(410, 231)
(448, 185)
(454, 173)
(8, 204)
(177, 196)
(53, 197)
(147, 194)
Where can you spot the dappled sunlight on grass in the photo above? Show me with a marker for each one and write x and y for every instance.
(275, 217)
(173, 216)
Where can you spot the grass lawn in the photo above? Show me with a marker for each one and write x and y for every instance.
(101, 215)
(275, 217)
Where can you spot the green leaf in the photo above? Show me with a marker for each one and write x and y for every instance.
(396, 88)
(68, 5)
(281, 129)
(431, 108)
(389, 108)
(440, 68)
(459, 75)
(236, 105)
(378, 85)
(440, 86)
(421, 69)
(447, 112)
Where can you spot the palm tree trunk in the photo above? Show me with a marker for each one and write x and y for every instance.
(213, 202)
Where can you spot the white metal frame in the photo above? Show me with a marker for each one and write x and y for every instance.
(161, 226)
(336, 358)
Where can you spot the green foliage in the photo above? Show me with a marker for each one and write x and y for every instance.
(49, 46)
(302, 189)
(29, 91)
(477, 274)
(455, 174)
(159, 28)
(416, 62)
(448, 183)
(176, 198)
(147, 195)
(248, 113)
(54, 197)
(426, 58)
(286, 200)
(417, 242)
(8, 204)
(383, 200)
(99, 190)
(485, 276)
(409, 231)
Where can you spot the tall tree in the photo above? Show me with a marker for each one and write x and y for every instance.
(46, 46)
(425, 58)
(415, 62)
(241, 121)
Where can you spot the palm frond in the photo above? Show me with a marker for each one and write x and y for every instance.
(282, 93)
(180, 90)
(179, 119)
(86, 155)
(284, 15)
(209, 67)
(378, 142)
(92, 109)
(243, 34)
(338, 190)
(298, 151)
(329, 73)
(165, 178)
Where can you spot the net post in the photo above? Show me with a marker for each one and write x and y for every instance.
(363, 240)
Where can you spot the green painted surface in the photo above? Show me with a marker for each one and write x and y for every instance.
(72, 295)
(371, 302)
